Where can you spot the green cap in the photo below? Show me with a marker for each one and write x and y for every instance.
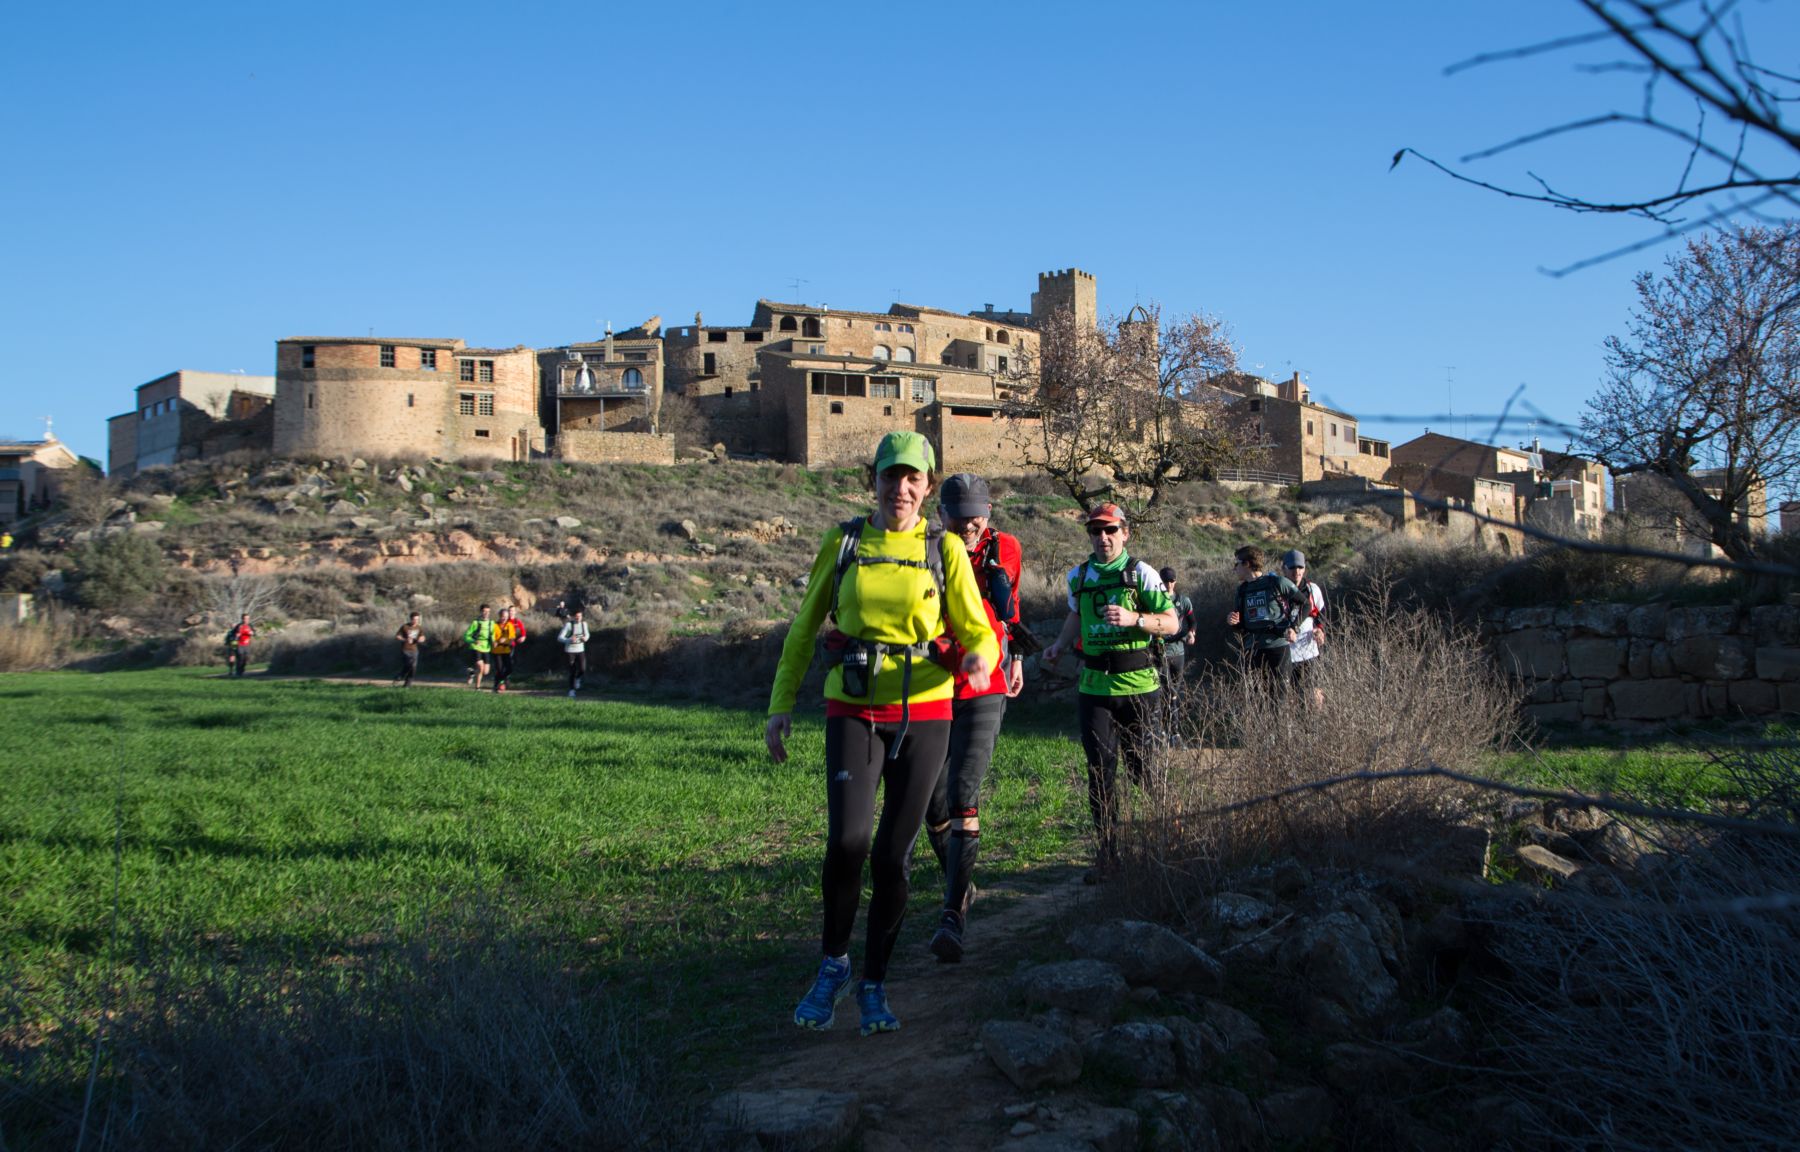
(908, 448)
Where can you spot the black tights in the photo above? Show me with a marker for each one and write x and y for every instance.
(855, 762)
(1115, 728)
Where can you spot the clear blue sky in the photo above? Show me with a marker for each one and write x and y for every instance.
(187, 183)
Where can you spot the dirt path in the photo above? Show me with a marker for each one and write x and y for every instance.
(929, 1086)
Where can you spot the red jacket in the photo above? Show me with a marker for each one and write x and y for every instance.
(241, 635)
(1006, 553)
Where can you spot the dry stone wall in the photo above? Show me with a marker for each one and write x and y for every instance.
(1601, 662)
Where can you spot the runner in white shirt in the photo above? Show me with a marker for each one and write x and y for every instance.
(1309, 636)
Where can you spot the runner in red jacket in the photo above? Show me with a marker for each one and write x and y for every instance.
(237, 645)
(953, 819)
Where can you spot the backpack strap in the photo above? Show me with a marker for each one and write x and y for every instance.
(852, 530)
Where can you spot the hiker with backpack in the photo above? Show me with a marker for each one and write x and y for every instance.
(509, 633)
(887, 582)
(1117, 608)
(412, 638)
(1309, 636)
(237, 646)
(479, 636)
(1175, 648)
(1268, 612)
(953, 818)
(574, 637)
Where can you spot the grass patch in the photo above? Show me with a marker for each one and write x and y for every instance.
(652, 848)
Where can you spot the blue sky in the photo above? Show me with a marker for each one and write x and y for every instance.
(189, 183)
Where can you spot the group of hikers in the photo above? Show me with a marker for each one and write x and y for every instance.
(925, 647)
(492, 644)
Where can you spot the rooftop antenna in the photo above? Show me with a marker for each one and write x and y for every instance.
(1450, 399)
(797, 282)
(48, 421)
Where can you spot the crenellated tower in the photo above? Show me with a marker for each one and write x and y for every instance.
(1071, 289)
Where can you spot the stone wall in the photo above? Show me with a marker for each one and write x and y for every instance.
(1650, 662)
(615, 447)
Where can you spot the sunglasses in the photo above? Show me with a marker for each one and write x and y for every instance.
(1103, 530)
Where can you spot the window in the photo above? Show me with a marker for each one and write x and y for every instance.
(387, 355)
(487, 371)
(409, 399)
(311, 398)
(837, 407)
(839, 384)
(1002, 363)
(993, 363)
(906, 328)
(888, 386)
(1309, 431)
(883, 352)
(727, 389)
(882, 327)
(921, 391)
(306, 355)
(816, 349)
(1256, 405)
(990, 333)
(481, 433)
(1334, 429)
(887, 409)
(465, 370)
(709, 364)
(1002, 337)
(811, 327)
(753, 337)
(787, 324)
(1350, 433)
(484, 404)
(632, 379)
(640, 356)
(716, 337)
(428, 359)
(148, 411)
(465, 403)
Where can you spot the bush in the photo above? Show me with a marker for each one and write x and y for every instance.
(1658, 1007)
(23, 570)
(47, 640)
(117, 572)
(1397, 692)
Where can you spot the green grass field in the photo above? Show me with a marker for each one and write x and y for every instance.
(657, 842)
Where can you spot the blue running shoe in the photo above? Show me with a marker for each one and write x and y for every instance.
(871, 997)
(819, 1005)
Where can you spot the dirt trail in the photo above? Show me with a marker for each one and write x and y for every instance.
(929, 1086)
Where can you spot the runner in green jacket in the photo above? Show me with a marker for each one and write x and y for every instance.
(479, 636)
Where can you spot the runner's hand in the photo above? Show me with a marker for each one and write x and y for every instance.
(1232, 619)
(1049, 656)
(775, 734)
(976, 667)
(1015, 678)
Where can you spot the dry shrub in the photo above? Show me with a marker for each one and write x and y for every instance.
(340, 650)
(458, 1032)
(638, 648)
(47, 640)
(1397, 691)
(1658, 1007)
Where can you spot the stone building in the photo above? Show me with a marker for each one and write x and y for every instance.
(1657, 508)
(386, 396)
(1558, 492)
(1790, 517)
(1306, 442)
(185, 415)
(818, 385)
(30, 472)
(602, 400)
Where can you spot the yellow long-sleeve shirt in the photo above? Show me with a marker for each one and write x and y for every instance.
(889, 604)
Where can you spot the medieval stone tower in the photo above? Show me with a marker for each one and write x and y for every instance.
(1070, 289)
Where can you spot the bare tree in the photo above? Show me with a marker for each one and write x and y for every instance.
(228, 598)
(1123, 410)
(1723, 121)
(1709, 379)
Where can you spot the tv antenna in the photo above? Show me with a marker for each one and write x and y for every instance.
(797, 281)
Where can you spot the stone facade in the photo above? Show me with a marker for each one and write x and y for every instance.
(1307, 442)
(30, 474)
(612, 385)
(1596, 662)
(597, 447)
(412, 398)
(176, 413)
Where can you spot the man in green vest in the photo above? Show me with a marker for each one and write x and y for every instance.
(479, 636)
(1117, 605)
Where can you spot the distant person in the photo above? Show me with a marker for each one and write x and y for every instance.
(5, 541)
(887, 582)
(1175, 647)
(1117, 605)
(562, 609)
(509, 633)
(1309, 636)
(479, 636)
(1268, 613)
(953, 819)
(412, 638)
(237, 645)
(574, 637)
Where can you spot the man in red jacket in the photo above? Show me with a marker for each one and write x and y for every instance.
(953, 819)
(237, 645)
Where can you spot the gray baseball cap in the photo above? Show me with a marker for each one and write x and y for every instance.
(1294, 558)
(965, 495)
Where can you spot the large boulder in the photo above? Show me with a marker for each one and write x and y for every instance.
(1091, 988)
(1029, 1056)
(1339, 958)
(1147, 953)
(1138, 1052)
(800, 1119)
